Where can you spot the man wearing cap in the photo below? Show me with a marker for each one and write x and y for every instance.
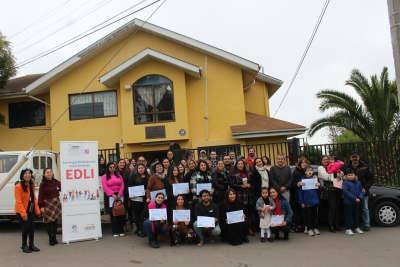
(250, 159)
(365, 176)
(203, 156)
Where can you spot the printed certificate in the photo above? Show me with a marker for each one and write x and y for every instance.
(136, 191)
(202, 186)
(235, 216)
(277, 220)
(204, 221)
(157, 214)
(181, 215)
(181, 188)
(310, 184)
(154, 193)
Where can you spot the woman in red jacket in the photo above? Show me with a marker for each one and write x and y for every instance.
(26, 207)
(49, 203)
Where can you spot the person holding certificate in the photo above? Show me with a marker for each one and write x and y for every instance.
(282, 208)
(221, 181)
(113, 186)
(234, 232)
(155, 227)
(181, 220)
(157, 181)
(202, 175)
(191, 168)
(206, 209)
(242, 183)
(172, 178)
(137, 203)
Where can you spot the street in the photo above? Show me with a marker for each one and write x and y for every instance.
(378, 247)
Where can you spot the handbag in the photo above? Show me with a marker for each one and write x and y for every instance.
(118, 208)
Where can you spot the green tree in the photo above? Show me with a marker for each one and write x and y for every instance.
(347, 137)
(375, 117)
(7, 62)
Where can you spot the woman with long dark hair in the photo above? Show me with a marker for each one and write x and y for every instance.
(102, 167)
(235, 233)
(26, 207)
(282, 208)
(298, 173)
(113, 186)
(267, 162)
(181, 230)
(202, 175)
(124, 173)
(49, 203)
(222, 181)
(191, 168)
(181, 170)
(137, 203)
(260, 177)
(166, 164)
(172, 178)
(157, 181)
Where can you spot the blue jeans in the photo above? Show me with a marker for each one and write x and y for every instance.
(365, 211)
(147, 229)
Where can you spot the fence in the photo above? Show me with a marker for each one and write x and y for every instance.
(112, 154)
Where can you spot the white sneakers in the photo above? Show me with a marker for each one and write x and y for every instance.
(310, 233)
(116, 235)
(305, 230)
(316, 232)
(357, 230)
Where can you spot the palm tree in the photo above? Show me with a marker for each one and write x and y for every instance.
(375, 117)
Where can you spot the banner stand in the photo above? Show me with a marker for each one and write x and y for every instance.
(81, 215)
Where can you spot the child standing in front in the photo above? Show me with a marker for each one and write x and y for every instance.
(353, 194)
(264, 206)
(309, 201)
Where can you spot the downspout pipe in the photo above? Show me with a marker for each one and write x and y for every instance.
(206, 117)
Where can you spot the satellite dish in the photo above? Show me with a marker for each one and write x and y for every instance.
(177, 151)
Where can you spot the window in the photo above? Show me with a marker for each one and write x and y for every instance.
(93, 105)
(153, 99)
(26, 114)
(36, 163)
(49, 163)
(7, 162)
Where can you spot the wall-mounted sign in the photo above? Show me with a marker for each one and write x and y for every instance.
(155, 132)
(182, 132)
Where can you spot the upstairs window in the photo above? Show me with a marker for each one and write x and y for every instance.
(93, 105)
(26, 114)
(153, 99)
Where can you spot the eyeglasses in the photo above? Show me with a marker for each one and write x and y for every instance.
(24, 169)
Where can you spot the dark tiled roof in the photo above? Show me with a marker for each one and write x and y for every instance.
(255, 123)
(16, 85)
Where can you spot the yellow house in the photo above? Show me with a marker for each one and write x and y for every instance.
(144, 87)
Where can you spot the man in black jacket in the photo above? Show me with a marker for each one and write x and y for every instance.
(207, 209)
(365, 176)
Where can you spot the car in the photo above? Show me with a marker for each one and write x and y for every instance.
(383, 203)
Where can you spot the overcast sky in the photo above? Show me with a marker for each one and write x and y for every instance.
(353, 34)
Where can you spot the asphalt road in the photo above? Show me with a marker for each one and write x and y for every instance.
(381, 246)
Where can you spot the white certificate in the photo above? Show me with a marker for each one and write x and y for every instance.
(235, 216)
(277, 220)
(157, 214)
(181, 215)
(181, 188)
(204, 221)
(136, 191)
(112, 201)
(310, 184)
(154, 193)
(202, 186)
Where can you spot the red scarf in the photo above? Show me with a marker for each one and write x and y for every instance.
(277, 209)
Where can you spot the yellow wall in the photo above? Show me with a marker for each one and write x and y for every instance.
(22, 139)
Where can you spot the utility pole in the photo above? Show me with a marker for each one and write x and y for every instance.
(394, 18)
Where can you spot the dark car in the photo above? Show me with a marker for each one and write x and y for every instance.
(384, 203)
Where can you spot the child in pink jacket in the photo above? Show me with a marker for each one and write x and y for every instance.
(334, 165)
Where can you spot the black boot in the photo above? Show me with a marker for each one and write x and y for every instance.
(245, 239)
(55, 240)
(286, 236)
(140, 234)
(26, 249)
(33, 248)
(153, 243)
(51, 241)
(331, 229)
(336, 227)
(277, 236)
(55, 233)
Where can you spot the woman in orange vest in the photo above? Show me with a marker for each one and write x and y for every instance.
(26, 206)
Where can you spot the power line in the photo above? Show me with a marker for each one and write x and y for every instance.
(95, 77)
(33, 23)
(68, 24)
(51, 24)
(305, 52)
(60, 46)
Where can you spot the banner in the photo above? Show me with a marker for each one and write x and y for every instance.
(80, 191)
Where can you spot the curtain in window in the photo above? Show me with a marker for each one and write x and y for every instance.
(105, 104)
(163, 97)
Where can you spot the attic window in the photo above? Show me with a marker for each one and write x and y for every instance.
(153, 99)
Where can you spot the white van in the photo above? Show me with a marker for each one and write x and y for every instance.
(38, 160)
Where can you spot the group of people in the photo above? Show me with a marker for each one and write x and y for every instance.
(272, 199)
(250, 185)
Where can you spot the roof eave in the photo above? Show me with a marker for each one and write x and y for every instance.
(13, 95)
(269, 133)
